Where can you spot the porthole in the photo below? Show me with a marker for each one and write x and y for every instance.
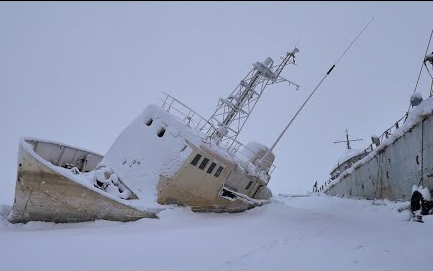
(149, 122)
(161, 132)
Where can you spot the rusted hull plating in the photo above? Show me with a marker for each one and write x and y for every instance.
(392, 172)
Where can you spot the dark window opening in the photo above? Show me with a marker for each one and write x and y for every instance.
(387, 175)
(249, 185)
(228, 194)
(417, 160)
(203, 163)
(149, 122)
(161, 132)
(210, 169)
(196, 159)
(218, 172)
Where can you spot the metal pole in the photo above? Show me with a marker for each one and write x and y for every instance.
(299, 110)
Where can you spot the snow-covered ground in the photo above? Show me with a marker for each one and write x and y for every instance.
(314, 232)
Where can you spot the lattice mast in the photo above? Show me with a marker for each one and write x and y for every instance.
(232, 113)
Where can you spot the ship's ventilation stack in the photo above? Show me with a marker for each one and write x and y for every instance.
(232, 112)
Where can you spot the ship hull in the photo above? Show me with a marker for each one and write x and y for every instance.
(394, 170)
(43, 194)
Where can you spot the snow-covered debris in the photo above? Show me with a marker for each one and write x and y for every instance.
(423, 190)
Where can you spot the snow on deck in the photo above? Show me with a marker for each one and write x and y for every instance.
(347, 155)
(302, 233)
(152, 145)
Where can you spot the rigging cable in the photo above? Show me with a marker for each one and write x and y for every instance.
(312, 93)
(419, 75)
(428, 71)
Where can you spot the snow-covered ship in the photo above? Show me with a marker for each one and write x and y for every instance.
(397, 165)
(167, 155)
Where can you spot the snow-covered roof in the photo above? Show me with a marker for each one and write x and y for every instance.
(347, 155)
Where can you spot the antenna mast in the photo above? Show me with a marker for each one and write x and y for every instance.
(261, 162)
(232, 113)
(347, 141)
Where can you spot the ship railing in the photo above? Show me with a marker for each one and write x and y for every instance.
(202, 127)
(191, 118)
(385, 135)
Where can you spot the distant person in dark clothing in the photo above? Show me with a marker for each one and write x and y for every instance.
(315, 187)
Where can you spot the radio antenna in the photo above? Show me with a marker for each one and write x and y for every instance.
(261, 163)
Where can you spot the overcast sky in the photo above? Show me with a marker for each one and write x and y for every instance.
(80, 72)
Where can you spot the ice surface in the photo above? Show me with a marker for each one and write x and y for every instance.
(291, 233)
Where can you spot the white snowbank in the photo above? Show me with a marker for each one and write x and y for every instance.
(290, 233)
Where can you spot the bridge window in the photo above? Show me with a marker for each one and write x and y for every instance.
(196, 159)
(211, 167)
(249, 185)
(218, 172)
(203, 163)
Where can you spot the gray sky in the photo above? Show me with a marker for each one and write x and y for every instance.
(80, 72)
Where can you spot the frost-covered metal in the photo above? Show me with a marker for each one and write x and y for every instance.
(232, 112)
